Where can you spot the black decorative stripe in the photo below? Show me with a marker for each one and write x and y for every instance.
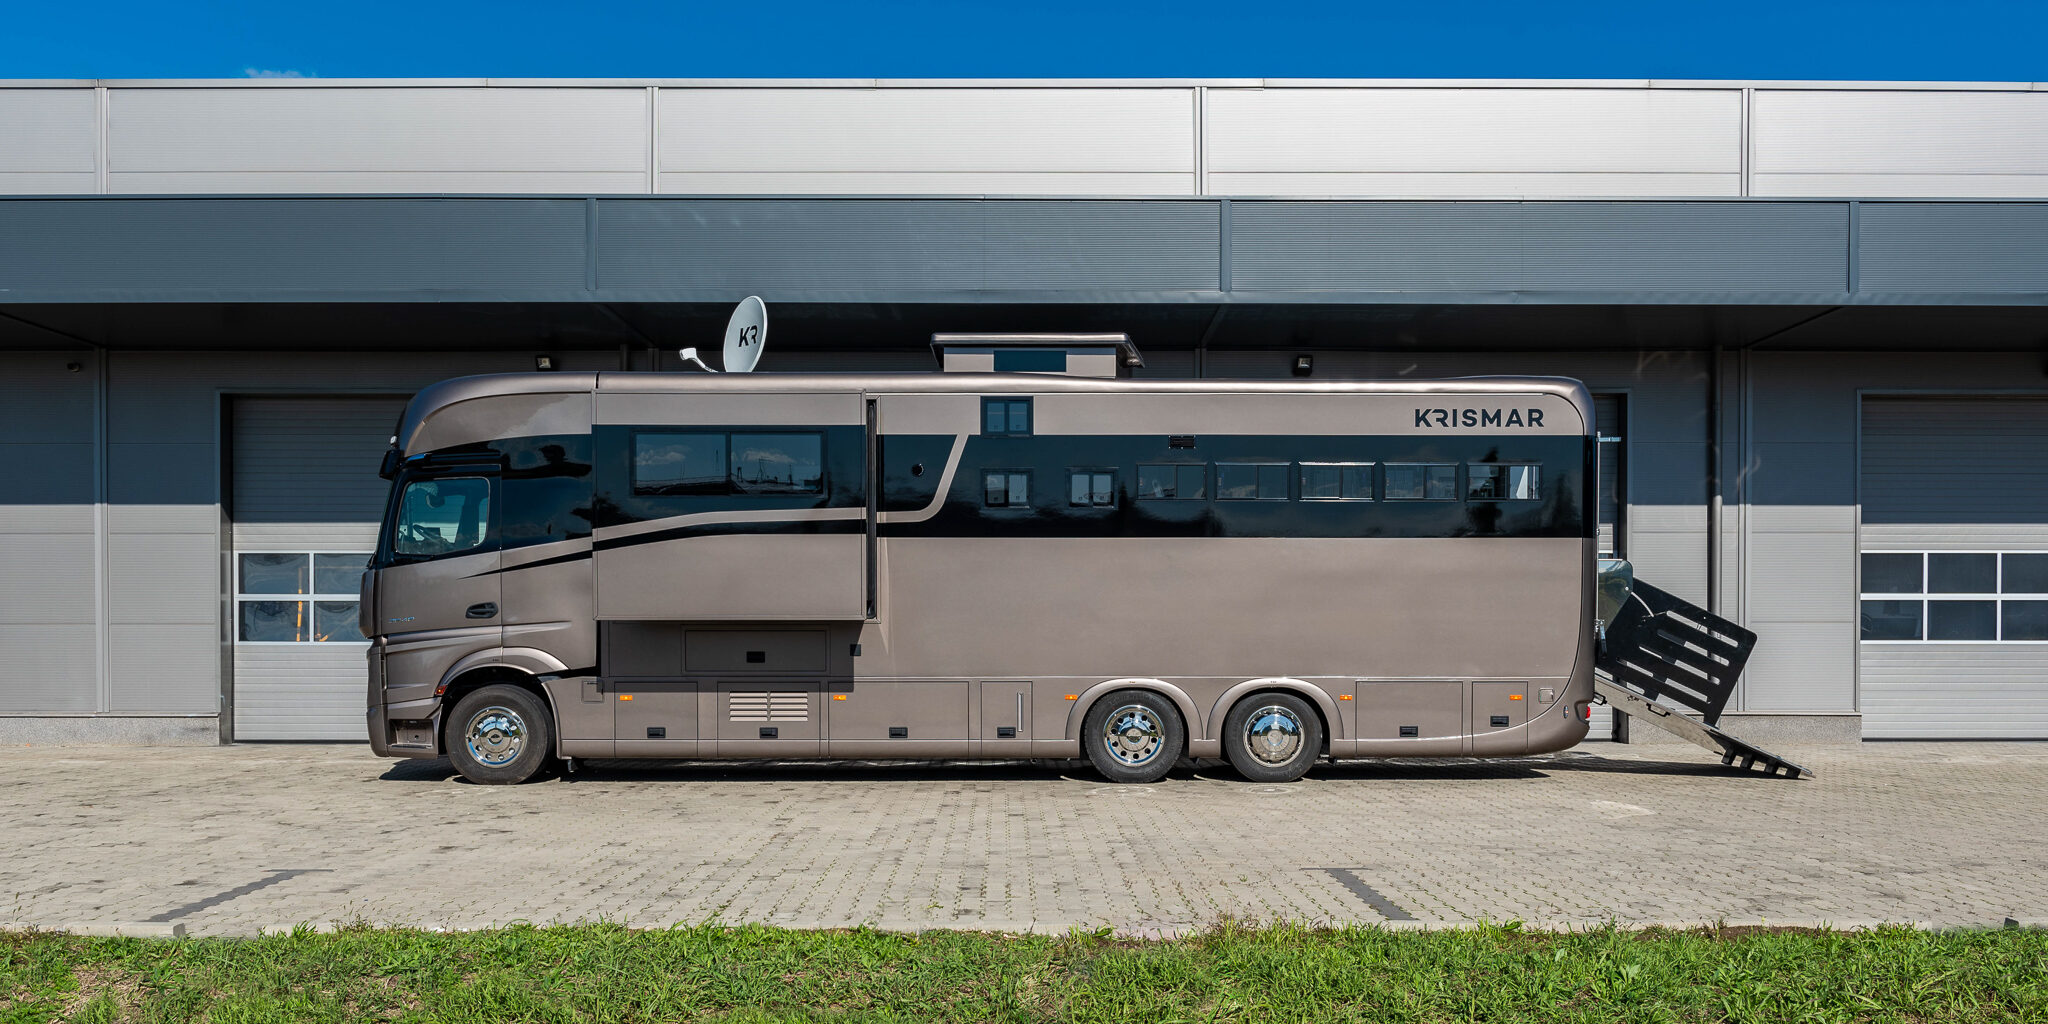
(795, 526)
(573, 556)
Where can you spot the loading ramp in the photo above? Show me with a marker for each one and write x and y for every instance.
(1661, 657)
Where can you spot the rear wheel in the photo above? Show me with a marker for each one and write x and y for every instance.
(500, 735)
(1133, 736)
(1272, 737)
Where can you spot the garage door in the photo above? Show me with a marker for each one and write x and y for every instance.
(1954, 603)
(305, 503)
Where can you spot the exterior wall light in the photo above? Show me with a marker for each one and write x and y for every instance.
(1304, 365)
(544, 364)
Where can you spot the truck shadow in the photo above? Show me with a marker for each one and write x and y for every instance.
(1077, 772)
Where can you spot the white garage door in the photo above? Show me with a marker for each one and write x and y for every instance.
(1954, 599)
(305, 503)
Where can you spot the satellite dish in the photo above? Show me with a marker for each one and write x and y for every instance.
(746, 333)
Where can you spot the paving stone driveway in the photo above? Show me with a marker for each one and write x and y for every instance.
(231, 840)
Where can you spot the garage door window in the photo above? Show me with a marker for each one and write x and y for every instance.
(1955, 597)
(296, 597)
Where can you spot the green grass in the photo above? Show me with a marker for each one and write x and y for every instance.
(606, 973)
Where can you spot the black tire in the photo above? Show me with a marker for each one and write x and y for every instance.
(1272, 737)
(515, 736)
(1150, 742)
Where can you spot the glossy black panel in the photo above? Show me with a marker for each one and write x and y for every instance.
(911, 467)
(1559, 510)
(547, 483)
(792, 481)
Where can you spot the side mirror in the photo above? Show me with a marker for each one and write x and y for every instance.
(389, 468)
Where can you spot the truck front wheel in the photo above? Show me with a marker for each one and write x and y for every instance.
(500, 735)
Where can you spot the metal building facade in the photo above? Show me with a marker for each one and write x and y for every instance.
(1749, 273)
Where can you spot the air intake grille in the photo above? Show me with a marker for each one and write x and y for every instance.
(768, 706)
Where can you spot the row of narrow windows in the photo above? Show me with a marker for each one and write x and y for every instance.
(1093, 487)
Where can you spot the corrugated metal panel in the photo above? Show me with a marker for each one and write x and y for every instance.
(174, 669)
(306, 470)
(290, 693)
(1802, 577)
(1954, 247)
(1940, 461)
(865, 141)
(310, 245)
(1955, 691)
(52, 141)
(377, 140)
(1801, 666)
(1876, 143)
(707, 248)
(305, 479)
(49, 668)
(1946, 473)
(1675, 247)
(47, 578)
(1434, 142)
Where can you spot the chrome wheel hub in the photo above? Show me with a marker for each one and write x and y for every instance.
(1132, 735)
(495, 736)
(1273, 734)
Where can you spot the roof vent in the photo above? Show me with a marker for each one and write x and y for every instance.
(1074, 355)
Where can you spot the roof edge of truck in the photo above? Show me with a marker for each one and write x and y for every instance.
(442, 394)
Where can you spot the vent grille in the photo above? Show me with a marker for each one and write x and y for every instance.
(768, 706)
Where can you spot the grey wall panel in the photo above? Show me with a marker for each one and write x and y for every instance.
(1803, 577)
(185, 474)
(933, 141)
(166, 578)
(47, 579)
(41, 401)
(1435, 142)
(164, 668)
(49, 668)
(1667, 472)
(310, 245)
(726, 249)
(1801, 666)
(1802, 472)
(52, 141)
(1954, 247)
(1673, 560)
(379, 139)
(1675, 247)
(1899, 143)
(40, 474)
(1961, 691)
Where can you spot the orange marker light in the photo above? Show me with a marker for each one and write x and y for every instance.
(1514, 696)
(1073, 696)
(1343, 696)
(838, 696)
(625, 696)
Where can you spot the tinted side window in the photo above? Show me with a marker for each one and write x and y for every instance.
(1006, 488)
(445, 516)
(1415, 481)
(547, 486)
(778, 464)
(1251, 481)
(1005, 417)
(678, 463)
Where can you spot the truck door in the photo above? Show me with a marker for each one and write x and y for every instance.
(437, 591)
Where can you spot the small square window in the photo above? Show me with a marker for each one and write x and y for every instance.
(274, 621)
(1091, 488)
(338, 574)
(1006, 488)
(1006, 417)
(1891, 620)
(337, 622)
(1251, 481)
(1885, 573)
(1962, 620)
(1962, 573)
(277, 573)
(2024, 620)
(2026, 574)
(1422, 482)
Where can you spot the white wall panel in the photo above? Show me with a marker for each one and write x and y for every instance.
(49, 141)
(377, 140)
(49, 668)
(1882, 143)
(1553, 142)
(300, 692)
(1801, 666)
(164, 668)
(1955, 691)
(1040, 141)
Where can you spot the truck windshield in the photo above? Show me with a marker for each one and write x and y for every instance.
(442, 516)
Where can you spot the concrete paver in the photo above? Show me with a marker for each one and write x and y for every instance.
(1943, 833)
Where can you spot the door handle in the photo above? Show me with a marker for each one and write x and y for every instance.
(484, 610)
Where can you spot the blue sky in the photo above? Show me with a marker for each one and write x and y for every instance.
(1971, 40)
